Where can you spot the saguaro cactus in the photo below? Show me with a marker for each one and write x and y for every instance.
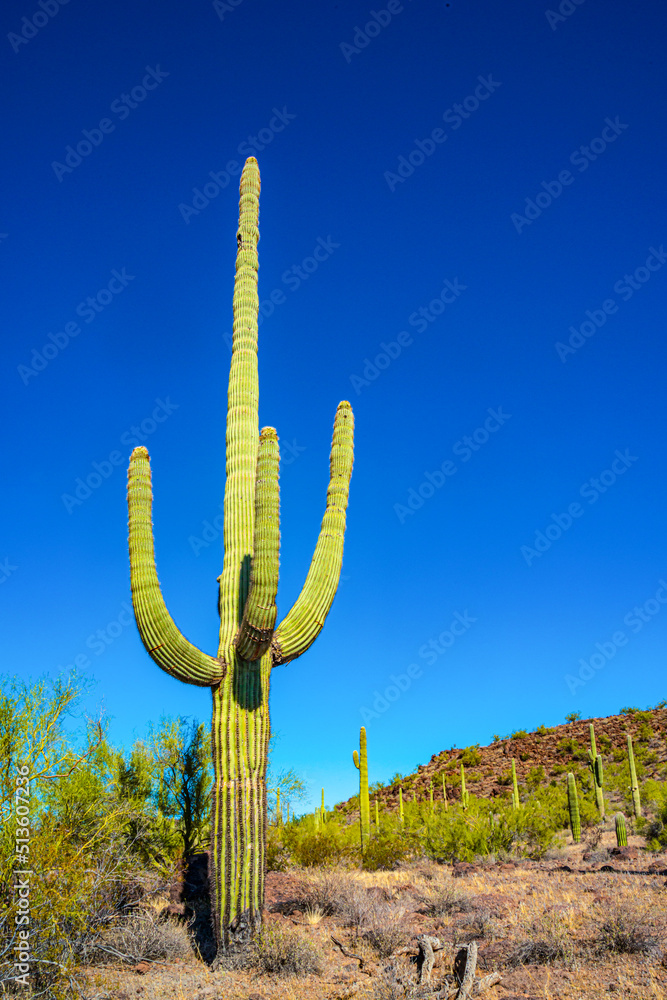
(400, 805)
(444, 791)
(279, 813)
(634, 784)
(361, 763)
(621, 831)
(573, 806)
(595, 764)
(516, 801)
(250, 645)
(465, 796)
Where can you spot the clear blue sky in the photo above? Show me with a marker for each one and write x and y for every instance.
(466, 182)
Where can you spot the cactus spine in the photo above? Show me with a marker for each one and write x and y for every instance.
(400, 806)
(595, 764)
(516, 802)
(634, 784)
(465, 797)
(250, 644)
(361, 763)
(573, 806)
(621, 832)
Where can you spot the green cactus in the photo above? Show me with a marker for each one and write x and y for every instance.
(516, 801)
(279, 815)
(621, 832)
(573, 806)
(377, 817)
(595, 764)
(250, 644)
(444, 791)
(361, 763)
(634, 784)
(430, 795)
(465, 795)
(323, 810)
(400, 806)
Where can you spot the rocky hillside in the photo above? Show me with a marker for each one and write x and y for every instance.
(554, 750)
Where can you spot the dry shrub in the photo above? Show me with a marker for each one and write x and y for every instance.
(142, 935)
(442, 899)
(625, 931)
(284, 952)
(386, 934)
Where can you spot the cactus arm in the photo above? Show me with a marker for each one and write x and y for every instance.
(162, 639)
(259, 615)
(355, 758)
(304, 621)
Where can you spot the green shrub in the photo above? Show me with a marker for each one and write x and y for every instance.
(387, 850)
(471, 756)
(519, 734)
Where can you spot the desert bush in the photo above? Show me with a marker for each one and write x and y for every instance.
(141, 935)
(332, 845)
(386, 933)
(471, 756)
(285, 952)
(626, 931)
(387, 850)
(442, 899)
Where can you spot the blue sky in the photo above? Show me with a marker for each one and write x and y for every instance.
(463, 233)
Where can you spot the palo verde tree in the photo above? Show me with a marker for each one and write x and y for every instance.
(250, 644)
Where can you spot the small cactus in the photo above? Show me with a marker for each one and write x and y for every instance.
(324, 812)
(465, 796)
(377, 817)
(279, 815)
(361, 763)
(634, 785)
(430, 793)
(444, 792)
(595, 764)
(621, 831)
(400, 806)
(573, 806)
(516, 802)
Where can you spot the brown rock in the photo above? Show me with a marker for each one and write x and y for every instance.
(627, 853)
(142, 968)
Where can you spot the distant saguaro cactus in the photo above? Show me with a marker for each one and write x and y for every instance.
(361, 763)
(400, 805)
(634, 784)
(250, 644)
(621, 831)
(573, 806)
(595, 764)
(516, 801)
(465, 797)
(444, 791)
(279, 815)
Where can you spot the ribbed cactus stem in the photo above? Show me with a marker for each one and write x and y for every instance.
(621, 831)
(377, 816)
(430, 795)
(464, 794)
(595, 764)
(573, 807)
(401, 817)
(444, 792)
(634, 784)
(322, 809)
(279, 815)
(250, 644)
(361, 763)
(516, 802)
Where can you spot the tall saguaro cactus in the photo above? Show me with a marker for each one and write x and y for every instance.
(360, 759)
(250, 644)
(634, 784)
(573, 808)
(595, 764)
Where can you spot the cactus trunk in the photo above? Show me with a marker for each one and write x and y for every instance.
(250, 644)
(279, 815)
(595, 764)
(573, 807)
(361, 763)
(515, 788)
(621, 831)
(634, 784)
(444, 792)
(400, 805)
(464, 794)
